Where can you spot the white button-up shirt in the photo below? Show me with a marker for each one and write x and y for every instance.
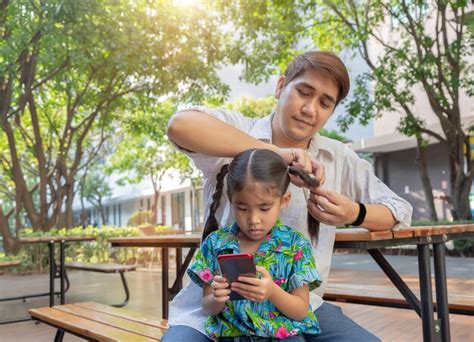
(346, 173)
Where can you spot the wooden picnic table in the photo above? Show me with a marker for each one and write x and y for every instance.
(166, 241)
(424, 238)
(56, 269)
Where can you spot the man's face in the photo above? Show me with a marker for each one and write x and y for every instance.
(304, 106)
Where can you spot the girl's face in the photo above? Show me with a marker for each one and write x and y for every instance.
(256, 209)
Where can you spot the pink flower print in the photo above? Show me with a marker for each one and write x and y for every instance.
(282, 333)
(279, 281)
(267, 237)
(271, 315)
(206, 275)
(298, 255)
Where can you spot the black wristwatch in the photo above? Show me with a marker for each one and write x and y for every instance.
(361, 217)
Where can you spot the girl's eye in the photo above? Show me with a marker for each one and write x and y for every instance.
(265, 208)
(324, 105)
(241, 208)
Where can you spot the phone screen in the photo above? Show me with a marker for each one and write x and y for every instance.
(234, 265)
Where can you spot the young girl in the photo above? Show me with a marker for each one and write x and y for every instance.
(276, 304)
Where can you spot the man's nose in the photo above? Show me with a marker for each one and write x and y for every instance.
(309, 108)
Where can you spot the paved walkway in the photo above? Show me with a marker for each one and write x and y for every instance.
(145, 288)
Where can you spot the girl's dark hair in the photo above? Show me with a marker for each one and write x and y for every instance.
(258, 165)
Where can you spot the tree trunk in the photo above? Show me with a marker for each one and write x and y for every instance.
(154, 210)
(425, 179)
(10, 244)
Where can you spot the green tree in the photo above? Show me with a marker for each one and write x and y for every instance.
(144, 151)
(94, 188)
(67, 69)
(426, 47)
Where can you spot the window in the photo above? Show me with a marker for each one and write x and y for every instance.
(199, 208)
(177, 210)
(114, 208)
(120, 215)
(141, 205)
(163, 210)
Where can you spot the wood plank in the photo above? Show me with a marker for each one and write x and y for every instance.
(403, 233)
(362, 234)
(82, 326)
(103, 268)
(4, 264)
(129, 314)
(171, 240)
(113, 321)
(45, 239)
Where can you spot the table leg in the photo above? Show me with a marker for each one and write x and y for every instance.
(442, 307)
(164, 281)
(396, 280)
(179, 264)
(426, 294)
(62, 270)
(51, 272)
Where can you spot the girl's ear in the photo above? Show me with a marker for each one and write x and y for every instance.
(285, 199)
(280, 86)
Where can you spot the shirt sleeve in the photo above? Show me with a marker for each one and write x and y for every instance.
(304, 271)
(201, 270)
(362, 185)
(209, 165)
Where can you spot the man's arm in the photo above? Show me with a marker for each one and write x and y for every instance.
(332, 208)
(202, 133)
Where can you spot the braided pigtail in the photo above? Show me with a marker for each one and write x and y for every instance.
(211, 222)
(310, 182)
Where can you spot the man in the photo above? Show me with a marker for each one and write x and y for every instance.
(309, 91)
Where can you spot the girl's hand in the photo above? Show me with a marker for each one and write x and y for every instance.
(254, 289)
(220, 289)
(301, 159)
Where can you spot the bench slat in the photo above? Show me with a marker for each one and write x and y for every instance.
(83, 327)
(114, 321)
(9, 263)
(128, 314)
(103, 268)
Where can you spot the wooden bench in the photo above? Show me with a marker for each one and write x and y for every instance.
(5, 264)
(106, 268)
(98, 322)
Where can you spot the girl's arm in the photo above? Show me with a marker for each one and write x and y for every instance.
(294, 305)
(215, 296)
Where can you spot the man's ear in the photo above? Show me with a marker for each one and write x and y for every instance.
(285, 199)
(280, 86)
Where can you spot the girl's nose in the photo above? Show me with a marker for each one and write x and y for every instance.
(253, 218)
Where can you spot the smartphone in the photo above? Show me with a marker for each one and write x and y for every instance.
(234, 265)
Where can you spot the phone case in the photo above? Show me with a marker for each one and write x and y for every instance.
(234, 265)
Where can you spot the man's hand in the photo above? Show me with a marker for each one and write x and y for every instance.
(254, 289)
(220, 289)
(301, 159)
(330, 207)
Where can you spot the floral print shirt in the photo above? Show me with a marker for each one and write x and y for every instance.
(287, 255)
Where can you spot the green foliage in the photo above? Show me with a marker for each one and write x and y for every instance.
(253, 108)
(69, 70)
(140, 218)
